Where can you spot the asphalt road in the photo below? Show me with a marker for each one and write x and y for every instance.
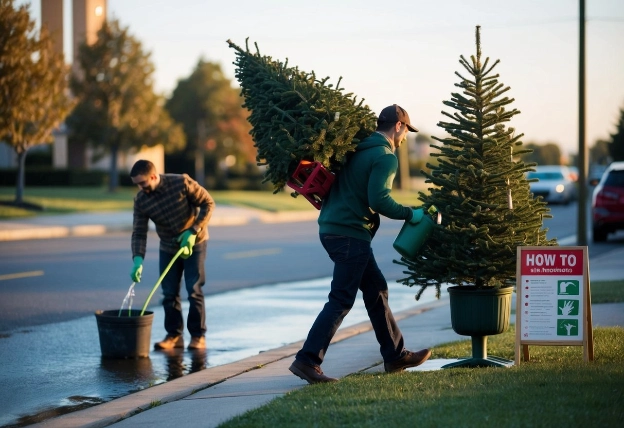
(68, 278)
(45, 281)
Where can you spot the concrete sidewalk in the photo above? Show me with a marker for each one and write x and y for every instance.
(215, 395)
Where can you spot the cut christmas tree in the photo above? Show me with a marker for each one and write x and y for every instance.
(297, 117)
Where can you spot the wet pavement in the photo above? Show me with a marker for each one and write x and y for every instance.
(60, 379)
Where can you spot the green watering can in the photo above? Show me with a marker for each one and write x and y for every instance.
(412, 236)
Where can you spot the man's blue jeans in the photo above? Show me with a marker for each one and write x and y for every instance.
(354, 268)
(194, 278)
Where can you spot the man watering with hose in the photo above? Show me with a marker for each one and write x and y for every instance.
(180, 208)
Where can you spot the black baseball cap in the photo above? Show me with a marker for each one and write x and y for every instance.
(394, 114)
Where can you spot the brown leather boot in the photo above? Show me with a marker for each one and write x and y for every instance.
(410, 359)
(310, 374)
(198, 342)
(170, 342)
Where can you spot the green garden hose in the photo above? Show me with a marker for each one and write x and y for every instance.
(180, 251)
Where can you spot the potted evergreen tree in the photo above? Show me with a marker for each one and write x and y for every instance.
(297, 117)
(480, 189)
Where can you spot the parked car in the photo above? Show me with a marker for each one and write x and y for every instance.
(553, 183)
(608, 203)
(595, 174)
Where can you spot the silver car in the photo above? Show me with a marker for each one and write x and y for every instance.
(553, 183)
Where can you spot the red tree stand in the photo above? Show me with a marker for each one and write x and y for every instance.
(311, 180)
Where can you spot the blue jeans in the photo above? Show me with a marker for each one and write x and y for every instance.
(354, 268)
(194, 279)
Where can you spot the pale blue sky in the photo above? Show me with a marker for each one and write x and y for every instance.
(406, 51)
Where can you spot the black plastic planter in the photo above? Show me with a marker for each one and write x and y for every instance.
(125, 336)
(480, 313)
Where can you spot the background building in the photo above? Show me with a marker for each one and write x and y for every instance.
(87, 17)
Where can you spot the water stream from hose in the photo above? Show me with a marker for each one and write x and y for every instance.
(128, 299)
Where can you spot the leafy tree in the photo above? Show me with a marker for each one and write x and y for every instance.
(296, 116)
(118, 109)
(599, 153)
(479, 188)
(543, 154)
(206, 99)
(33, 86)
(417, 161)
(616, 145)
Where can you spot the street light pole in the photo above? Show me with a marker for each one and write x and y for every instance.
(581, 232)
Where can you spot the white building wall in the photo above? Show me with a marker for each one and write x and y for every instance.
(8, 157)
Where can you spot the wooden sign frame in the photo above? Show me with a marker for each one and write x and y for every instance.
(547, 277)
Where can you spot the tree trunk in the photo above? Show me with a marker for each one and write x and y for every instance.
(404, 172)
(21, 167)
(200, 174)
(113, 179)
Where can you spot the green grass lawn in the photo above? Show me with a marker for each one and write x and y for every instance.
(556, 388)
(59, 200)
(607, 291)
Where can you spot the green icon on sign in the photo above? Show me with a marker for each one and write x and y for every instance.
(567, 328)
(567, 307)
(568, 287)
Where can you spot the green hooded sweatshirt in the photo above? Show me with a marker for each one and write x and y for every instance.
(361, 189)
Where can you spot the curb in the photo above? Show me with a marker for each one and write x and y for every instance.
(42, 232)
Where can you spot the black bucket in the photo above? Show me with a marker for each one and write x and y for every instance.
(125, 336)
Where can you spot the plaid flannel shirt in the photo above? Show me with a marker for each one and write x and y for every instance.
(177, 204)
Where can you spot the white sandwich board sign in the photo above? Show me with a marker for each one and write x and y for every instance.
(553, 302)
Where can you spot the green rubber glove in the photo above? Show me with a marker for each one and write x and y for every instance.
(137, 269)
(187, 241)
(417, 215)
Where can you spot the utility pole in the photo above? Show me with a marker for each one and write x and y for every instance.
(581, 231)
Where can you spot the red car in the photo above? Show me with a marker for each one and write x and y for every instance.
(608, 202)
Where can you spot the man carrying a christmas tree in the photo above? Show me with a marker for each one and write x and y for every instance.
(180, 208)
(348, 221)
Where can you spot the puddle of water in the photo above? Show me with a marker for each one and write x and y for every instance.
(433, 364)
(57, 368)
